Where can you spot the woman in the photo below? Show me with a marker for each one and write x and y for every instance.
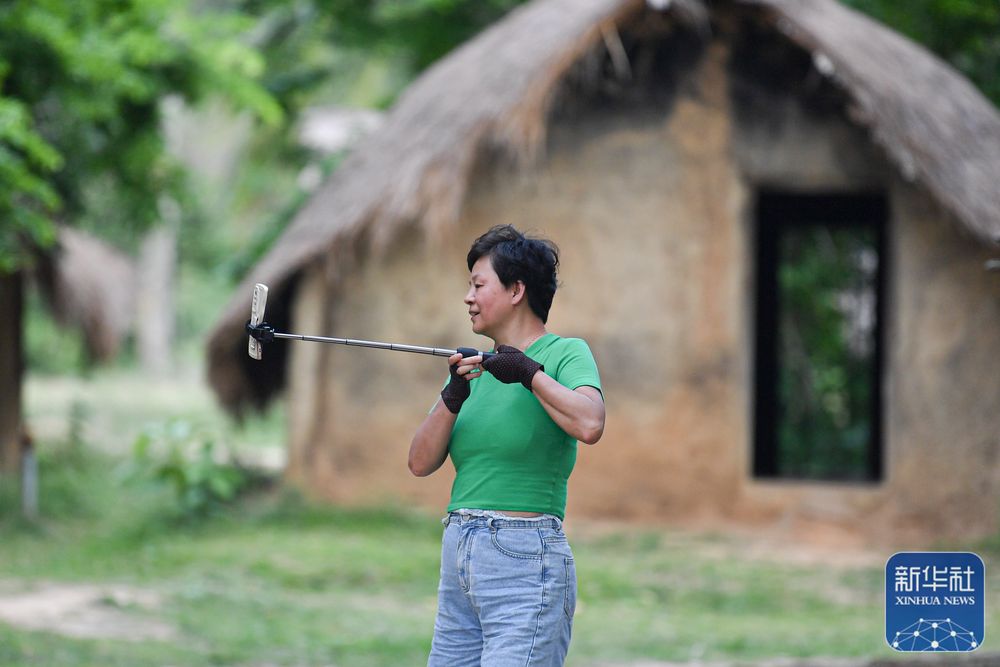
(508, 583)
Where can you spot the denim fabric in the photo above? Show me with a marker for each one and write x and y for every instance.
(507, 593)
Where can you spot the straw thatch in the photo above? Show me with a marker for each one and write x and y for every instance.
(90, 285)
(495, 93)
(934, 125)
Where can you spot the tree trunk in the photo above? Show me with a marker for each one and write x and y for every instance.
(155, 302)
(11, 370)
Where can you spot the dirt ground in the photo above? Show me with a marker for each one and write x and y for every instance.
(84, 611)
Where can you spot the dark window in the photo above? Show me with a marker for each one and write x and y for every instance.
(820, 295)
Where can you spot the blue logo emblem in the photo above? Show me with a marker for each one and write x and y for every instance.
(935, 601)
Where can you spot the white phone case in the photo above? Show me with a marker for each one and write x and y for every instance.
(257, 316)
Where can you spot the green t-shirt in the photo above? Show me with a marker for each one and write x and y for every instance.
(507, 452)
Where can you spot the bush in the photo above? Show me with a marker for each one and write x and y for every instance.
(203, 474)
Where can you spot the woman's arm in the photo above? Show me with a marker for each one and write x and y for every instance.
(429, 447)
(579, 412)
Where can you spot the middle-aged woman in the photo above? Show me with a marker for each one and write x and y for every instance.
(508, 582)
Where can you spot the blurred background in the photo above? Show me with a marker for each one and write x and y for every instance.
(151, 154)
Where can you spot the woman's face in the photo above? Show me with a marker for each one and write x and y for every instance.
(488, 300)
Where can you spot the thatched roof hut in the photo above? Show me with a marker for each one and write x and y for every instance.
(90, 285)
(494, 95)
(662, 145)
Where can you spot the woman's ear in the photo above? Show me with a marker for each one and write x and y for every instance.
(518, 293)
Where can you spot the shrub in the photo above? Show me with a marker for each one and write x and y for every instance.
(203, 474)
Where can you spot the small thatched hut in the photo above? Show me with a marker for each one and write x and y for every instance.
(672, 149)
(89, 285)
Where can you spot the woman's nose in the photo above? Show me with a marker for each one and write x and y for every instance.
(468, 297)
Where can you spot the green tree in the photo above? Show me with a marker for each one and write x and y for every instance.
(81, 85)
(966, 33)
(308, 40)
(360, 53)
(827, 290)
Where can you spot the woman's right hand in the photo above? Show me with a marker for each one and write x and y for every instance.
(462, 369)
(470, 367)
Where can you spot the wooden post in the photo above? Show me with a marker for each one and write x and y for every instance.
(11, 370)
(29, 478)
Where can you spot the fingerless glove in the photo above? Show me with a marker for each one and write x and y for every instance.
(510, 365)
(456, 391)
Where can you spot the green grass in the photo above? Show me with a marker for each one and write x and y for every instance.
(270, 580)
(107, 409)
(275, 580)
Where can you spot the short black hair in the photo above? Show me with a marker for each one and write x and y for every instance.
(514, 256)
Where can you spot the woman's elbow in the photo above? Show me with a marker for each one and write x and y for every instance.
(590, 433)
(417, 467)
(413, 461)
(418, 471)
(590, 422)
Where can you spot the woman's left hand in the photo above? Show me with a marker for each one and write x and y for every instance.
(510, 365)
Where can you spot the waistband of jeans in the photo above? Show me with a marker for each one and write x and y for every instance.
(463, 519)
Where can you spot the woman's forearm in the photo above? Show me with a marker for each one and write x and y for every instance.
(429, 447)
(580, 412)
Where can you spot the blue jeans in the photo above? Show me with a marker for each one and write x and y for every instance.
(507, 593)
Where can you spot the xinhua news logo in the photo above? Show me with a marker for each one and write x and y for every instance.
(935, 601)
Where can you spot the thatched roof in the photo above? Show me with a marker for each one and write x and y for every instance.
(934, 125)
(90, 285)
(495, 92)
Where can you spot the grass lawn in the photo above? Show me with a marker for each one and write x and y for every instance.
(273, 580)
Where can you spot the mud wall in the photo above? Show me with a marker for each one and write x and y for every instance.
(652, 211)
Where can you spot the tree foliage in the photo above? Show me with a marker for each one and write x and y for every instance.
(308, 41)
(827, 339)
(80, 89)
(963, 32)
(345, 52)
(81, 82)
(966, 33)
